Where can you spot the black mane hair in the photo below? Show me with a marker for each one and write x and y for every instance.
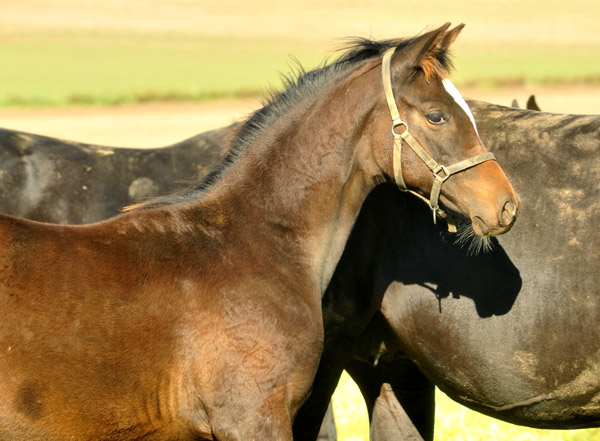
(298, 85)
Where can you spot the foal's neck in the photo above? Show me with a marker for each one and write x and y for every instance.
(301, 182)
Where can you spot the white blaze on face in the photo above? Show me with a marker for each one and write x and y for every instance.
(454, 93)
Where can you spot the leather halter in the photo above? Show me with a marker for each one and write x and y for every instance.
(435, 168)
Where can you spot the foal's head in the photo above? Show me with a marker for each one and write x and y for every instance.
(433, 132)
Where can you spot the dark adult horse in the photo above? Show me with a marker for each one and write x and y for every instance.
(198, 316)
(511, 333)
(64, 182)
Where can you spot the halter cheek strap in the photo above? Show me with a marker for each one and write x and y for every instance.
(440, 172)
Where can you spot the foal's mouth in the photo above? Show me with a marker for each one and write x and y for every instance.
(496, 222)
(473, 241)
(475, 236)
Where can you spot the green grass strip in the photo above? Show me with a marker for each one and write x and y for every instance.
(101, 68)
(62, 69)
(517, 66)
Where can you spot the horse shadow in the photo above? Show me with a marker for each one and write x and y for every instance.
(394, 240)
(425, 256)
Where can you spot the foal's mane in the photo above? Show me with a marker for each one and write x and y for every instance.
(298, 85)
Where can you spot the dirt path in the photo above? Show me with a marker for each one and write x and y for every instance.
(155, 125)
(148, 125)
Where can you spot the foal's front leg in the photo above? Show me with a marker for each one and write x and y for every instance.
(255, 387)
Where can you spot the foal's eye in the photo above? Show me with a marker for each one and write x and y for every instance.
(437, 117)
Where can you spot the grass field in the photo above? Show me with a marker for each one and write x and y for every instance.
(66, 68)
(64, 52)
(453, 422)
(96, 67)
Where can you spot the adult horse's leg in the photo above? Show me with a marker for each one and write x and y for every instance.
(392, 421)
(307, 424)
(328, 432)
(412, 391)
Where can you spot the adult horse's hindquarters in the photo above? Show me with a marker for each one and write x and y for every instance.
(64, 182)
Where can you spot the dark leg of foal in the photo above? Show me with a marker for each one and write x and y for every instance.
(413, 392)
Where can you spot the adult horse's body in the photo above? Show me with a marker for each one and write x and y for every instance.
(198, 316)
(512, 333)
(51, 180)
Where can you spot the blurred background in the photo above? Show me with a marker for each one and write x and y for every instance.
(61, 52)
(153, 72)
(198, 64)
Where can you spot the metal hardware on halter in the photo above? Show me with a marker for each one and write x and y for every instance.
(396, 123)
(405, 136)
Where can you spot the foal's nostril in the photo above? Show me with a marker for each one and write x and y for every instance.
(480, 227)
(509, 212)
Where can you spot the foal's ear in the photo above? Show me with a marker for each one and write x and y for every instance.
(424, 49)
(451, 36)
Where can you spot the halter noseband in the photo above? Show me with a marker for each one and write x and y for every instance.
(435, 168)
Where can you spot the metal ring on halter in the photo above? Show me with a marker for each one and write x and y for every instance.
(396, 123)
(445, 170)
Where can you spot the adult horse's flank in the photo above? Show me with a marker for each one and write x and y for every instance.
(511, 333)
(198, 316)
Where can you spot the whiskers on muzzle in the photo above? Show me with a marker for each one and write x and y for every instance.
(466, 238)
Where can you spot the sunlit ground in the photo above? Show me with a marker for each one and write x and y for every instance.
(453, 422)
